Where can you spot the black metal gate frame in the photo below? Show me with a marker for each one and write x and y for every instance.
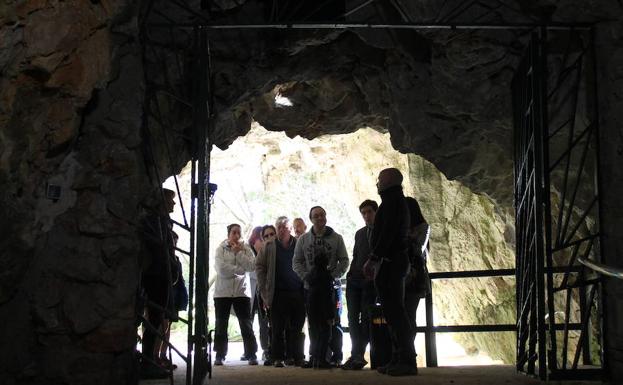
(199, 214)
(552, 240)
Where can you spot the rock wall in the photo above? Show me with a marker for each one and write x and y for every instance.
(71, 100)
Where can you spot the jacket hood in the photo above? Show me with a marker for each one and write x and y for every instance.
(328, 231)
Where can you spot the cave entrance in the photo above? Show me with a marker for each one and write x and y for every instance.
(538, 263)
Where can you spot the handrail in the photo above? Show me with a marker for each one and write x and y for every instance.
(601, 268)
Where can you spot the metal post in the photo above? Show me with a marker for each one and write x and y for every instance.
(430, 340)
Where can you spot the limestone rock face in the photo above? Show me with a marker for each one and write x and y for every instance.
(70, 110)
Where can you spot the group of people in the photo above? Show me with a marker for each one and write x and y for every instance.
(298, 276)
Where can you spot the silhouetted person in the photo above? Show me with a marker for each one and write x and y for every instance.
(321, 309)
(157, 279)
(299, 227)
(390, 256)
(360, 291)
(282, 292)
(322, 238)
(417, 282)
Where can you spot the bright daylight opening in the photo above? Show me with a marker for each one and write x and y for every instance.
(265, 174)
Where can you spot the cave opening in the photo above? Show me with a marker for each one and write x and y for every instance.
(264, 174)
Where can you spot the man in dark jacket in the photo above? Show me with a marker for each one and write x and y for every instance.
(360, 292)
(390, 256)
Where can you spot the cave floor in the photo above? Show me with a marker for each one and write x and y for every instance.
(238, 373)
(477, 372)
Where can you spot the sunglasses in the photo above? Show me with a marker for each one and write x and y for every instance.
(266, 236)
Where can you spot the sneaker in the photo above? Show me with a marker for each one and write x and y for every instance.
(279, 364)
(218, 361)
(299, 363)
(244, 358)
(383, 369)
(252, 361)
(402, 369)
(354, 364)
(268, 362)
(307, 364)
(323, 364)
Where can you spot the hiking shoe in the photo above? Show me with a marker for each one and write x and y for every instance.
(218, 361)
(244, 358)
(252, 361)
(268, 362)
(279, 364)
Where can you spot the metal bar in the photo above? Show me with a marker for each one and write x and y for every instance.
(601, 268)
(584, 331)
(472, 274)
(485, 328)
(201, 332)
(193, 226)
(598, 188)
(447, 26)
(357, 8)
(153, 329)
(430, 340)
(571, 147)
(183, 226)
(539, 88)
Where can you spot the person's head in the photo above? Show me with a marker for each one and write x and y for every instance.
(388, 177)
(299, 227)
(268, 233)
(256, 234)
(169, 199)
(368, 209)
(318, 217)
(415, 213)
(233, 233)
(284, 228)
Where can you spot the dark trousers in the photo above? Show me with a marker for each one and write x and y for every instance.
(360, 295)
(287, 314)
(336, 334)
(242, 308)
(412, 300)
(262, 317)
(320, 336)
(390, 285)
(156, 290)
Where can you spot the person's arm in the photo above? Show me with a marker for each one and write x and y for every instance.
(342, 259)
(223, 267)
(261, 268)
(298, 261)
(246, 259)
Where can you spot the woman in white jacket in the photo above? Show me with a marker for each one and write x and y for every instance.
(234, 260)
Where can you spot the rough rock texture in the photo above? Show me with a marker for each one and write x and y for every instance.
(71, 111)
(71, 95)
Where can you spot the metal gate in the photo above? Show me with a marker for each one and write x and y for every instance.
(556, 151)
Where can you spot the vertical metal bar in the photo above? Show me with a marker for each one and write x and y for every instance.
(540, 79)
(193, 216)
(598, 188)
(201, 300)
(430, 339)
